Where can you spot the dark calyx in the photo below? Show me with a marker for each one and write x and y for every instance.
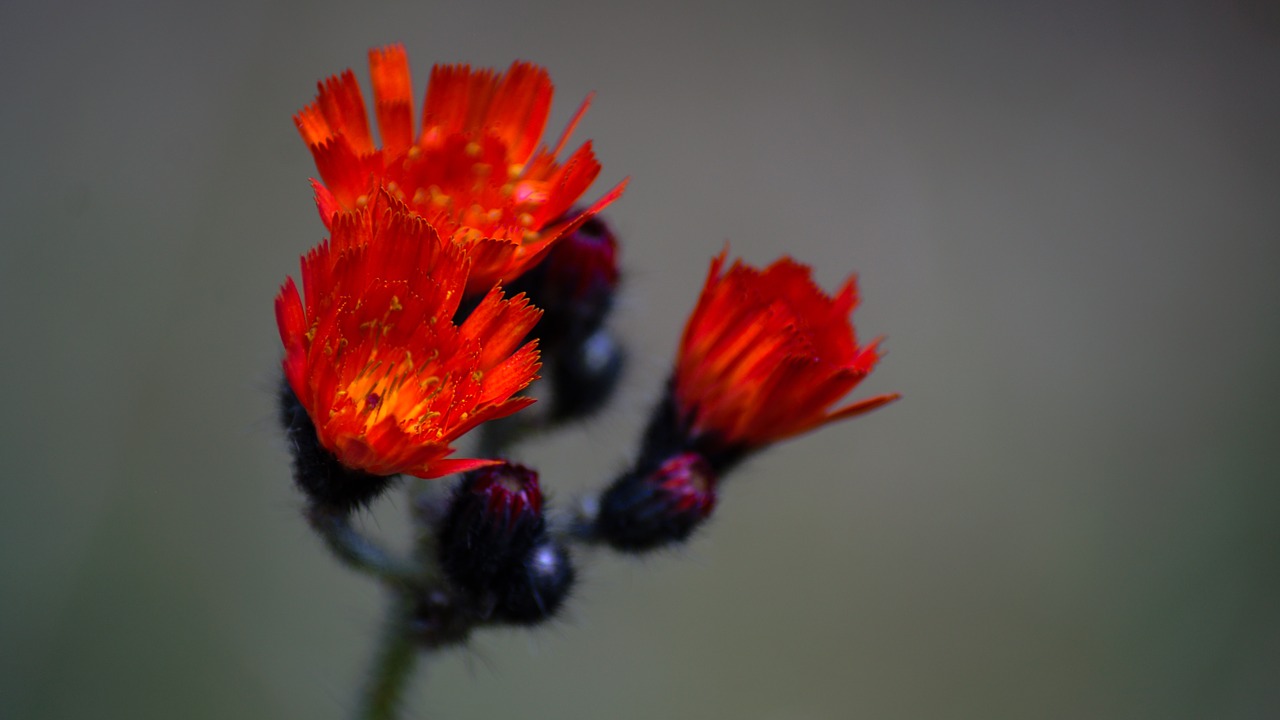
(317, 472)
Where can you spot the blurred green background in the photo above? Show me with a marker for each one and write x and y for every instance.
(1066, 220)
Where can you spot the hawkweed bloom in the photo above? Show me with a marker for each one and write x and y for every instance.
(373, 355)
(473, 166)
(766, 355)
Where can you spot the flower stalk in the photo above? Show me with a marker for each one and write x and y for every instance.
(358, 552)
(393, 666)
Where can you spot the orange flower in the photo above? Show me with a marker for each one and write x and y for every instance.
(375, 358)
(766, 354)
(474, 169)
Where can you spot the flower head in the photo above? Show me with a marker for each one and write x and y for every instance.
(374, 356)
(766, 355)
(473, 167)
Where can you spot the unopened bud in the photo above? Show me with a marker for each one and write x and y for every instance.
(584, 376)
(493, 546)
(643, 511)
(575, 284)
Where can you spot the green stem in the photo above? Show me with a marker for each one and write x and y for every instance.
(392, 667)
(357, 551)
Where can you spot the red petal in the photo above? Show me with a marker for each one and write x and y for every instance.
(393, 97)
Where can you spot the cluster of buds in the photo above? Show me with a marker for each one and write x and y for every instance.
(460, 262)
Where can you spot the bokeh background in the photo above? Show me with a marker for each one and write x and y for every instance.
(1066, 219)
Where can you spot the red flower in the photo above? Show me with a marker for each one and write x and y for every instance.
(766, 354)
(473, 170)
(375, 358)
